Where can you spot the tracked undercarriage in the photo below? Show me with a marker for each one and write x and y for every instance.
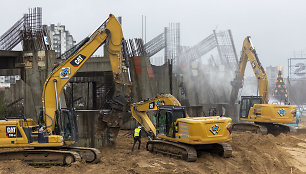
(187, 152)
(57, 156)
(263, 128)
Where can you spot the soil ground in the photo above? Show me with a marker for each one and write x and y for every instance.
(252, 153)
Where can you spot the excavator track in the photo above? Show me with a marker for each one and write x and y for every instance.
(263, 128)
(90, 155)
(251, 127)
(221, 149)
(185, 152)
(224, 150)
(42, 157)
(51, 157)
(276, 128)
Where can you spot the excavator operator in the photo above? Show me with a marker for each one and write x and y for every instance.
(137, 137)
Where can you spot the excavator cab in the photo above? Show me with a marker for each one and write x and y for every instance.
(166, 119)
(65, 124)
(246, 103)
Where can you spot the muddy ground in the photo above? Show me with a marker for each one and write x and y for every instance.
(252, 153)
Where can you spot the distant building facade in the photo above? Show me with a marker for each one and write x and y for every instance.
(272, 73)
(61, 39)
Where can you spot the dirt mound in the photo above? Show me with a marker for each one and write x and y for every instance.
(252, 153)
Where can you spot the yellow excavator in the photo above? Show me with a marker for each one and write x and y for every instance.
(49, 142)
(176, 134)
(256, 114)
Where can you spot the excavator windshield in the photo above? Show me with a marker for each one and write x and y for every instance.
(166, 118)
(246, 103)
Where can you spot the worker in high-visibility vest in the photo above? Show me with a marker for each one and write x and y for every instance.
(137, 137)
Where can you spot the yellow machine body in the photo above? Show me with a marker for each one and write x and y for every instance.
(189, 130)
(200, 130)
(271, 113)
(256, 108)
(13, 134)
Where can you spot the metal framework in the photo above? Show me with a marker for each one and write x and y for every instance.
(224, 43)
(12, 37)
(226, 48)
(29, 31)
(155, 45)
(172, 49)
(199, 49)
(133, 47)
(169, 39)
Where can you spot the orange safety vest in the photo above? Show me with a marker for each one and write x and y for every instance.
(137, 131)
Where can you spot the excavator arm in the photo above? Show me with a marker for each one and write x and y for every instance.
(249, 54)
(139, 109)
(109, 32)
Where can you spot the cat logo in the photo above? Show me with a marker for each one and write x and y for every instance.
(65, 73)
(151, 105)
(78, 60)
(11, 131)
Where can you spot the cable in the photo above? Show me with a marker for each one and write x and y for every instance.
(112, 41)
(50, 119)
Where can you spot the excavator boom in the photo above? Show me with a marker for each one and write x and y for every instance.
(249, 54)
(110, 33)
(50, 140)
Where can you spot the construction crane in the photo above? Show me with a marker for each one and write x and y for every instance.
(49, 142)
(177, 134)
(257, 114)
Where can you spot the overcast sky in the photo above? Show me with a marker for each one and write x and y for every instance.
(277, 27)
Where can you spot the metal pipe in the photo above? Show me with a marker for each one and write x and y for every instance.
(129, 75)
(55, 90)
(72, 95)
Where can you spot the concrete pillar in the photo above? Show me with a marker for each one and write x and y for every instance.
(38, 64)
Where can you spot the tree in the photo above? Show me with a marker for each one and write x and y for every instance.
(280, 90)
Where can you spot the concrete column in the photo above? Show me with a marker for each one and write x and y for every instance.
(38, 64)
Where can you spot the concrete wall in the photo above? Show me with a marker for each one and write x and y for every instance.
(37, 66)
(87, 129)
(15, 92)
(207, 110)
(90, 132)
(162, 79)
(143, 79)
(33, 67)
